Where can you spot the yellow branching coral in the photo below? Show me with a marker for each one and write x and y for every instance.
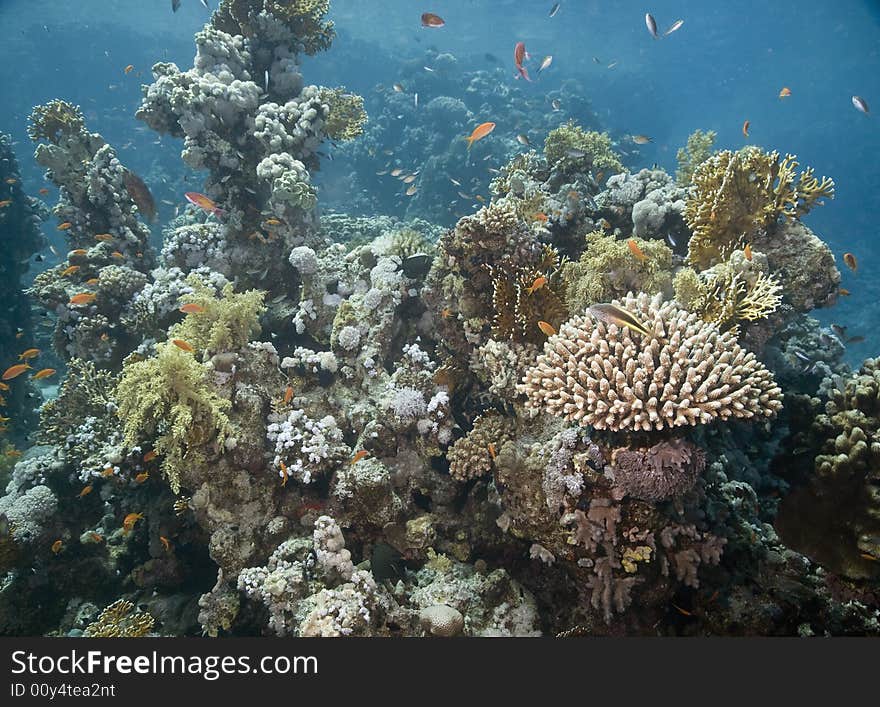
(571, 143)
(305, 18)
(698, 150)
(55, 120)
(736, 193)
(522, 296)
(224, 323)
(120, 620)
(608, 269)
(346, 113)
(169, 399)
(729, 298)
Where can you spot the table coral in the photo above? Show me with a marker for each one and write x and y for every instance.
(169, 400)
(686, 373)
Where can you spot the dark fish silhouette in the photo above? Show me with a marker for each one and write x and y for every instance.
(140, 194)
(175, 5)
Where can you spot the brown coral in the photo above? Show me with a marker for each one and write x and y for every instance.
(686, 373)
(668, 469)
(55, 120)
(305, 18)
(473, 456)
(120, 620)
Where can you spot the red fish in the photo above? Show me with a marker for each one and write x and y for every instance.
(429, 19)
(519, 55)
(203, 202)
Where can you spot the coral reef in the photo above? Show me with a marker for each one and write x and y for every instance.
(120, 620)
(570, 143)
(697, 150)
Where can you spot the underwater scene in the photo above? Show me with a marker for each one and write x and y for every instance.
(447, 318)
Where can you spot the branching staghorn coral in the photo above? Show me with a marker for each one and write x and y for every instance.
(120, 620)
(346, 114)
(734, 194)
(522, 296)
(698, 150)
(608, 269)
(168, 399)
(224, 323)
(687, 373)
(570, 143)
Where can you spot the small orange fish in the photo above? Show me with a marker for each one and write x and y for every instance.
(683, 612)
(785, 92)
(83, 298)
(43, 373)
(203, 202)
(546, 328)
(272, 222)
(92, 281)
(288, 395)
(107, 472)
(360, 455)
(747, 251)
(86, 490)
(5, 203)
(192, 308)
(604, 224)
(105, 336)
(479, 133)
(636, 251)
(104, 237)
(15, 371)
(73, 269)
(78, 252)
(3, 386)
(285, 475)
(116, 254)
(429, 19)
(540, 216)
(746, 126)
(843, 291)
(64, 226)
(97, 537)
(866, 556)
(13, 453)
(56, 546)
(149, 456)
(850, 261)
(182, 345)
(537, 284)
(128, 69)
(492, 452)
(165, 543)
(28, 355)
(130, 520)
(143, 476)
(445, 313)
(43, 191)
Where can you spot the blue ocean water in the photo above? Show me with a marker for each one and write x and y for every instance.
(725, 65)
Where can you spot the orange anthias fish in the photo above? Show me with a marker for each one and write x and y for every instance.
(203, 202)
(850, 261)
(541, 216)
(83, 298)
(128, 69)
(5, 203)
(44, 373)
(360, 455)
(285, 475)
(104, 237)
(288, 395)
(183, 345)
(843, 291)
(479, 133)
(43, 191)
(56, 546)
(130, 520)
(165, 543)
(78, 252)
(547, 328)
(15, 371)
(192, 308)
(746, 126)
(92, 281)
(97, 537)
(636, 251)
(537, 284)
(519, 55)
(149, 456)
(28, 355)
(747, 251)
(64, 226)
(116, 254)
(86, 490)
(143, 476)
(785, 92)
(72, 270)
(108, 472)
(429, 19)
(492, 452)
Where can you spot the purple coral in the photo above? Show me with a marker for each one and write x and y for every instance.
(663, 471)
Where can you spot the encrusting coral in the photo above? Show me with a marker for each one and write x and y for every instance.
(687, 373)
(734, 194)
(168, 400)
(224, 323)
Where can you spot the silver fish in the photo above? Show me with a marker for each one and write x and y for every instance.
(523, 140)
(205, 4)
(673, 27)
(557, 104)
(554, 9)
(546, 63)
(860, 104)
(416, 100)
(651, 24)
(266, 80)
(620, 316)
(575, 154)
(671, 240)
